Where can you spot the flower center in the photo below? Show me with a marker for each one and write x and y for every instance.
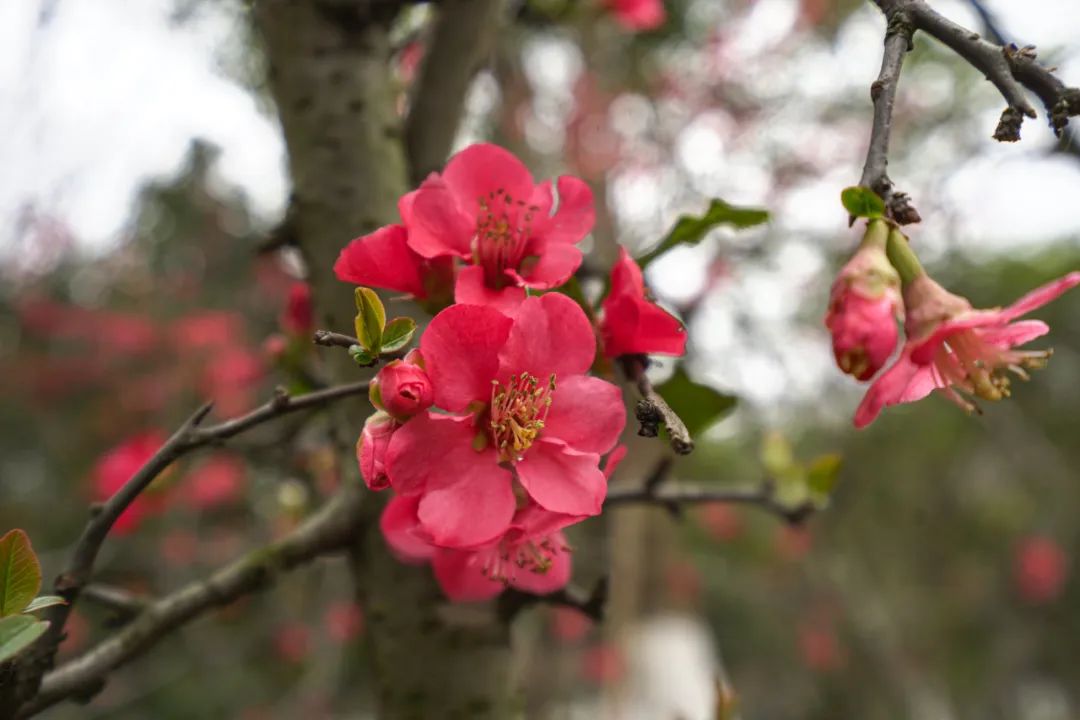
(536, 556)
(969, 363)
(518, 411)
(503, 229)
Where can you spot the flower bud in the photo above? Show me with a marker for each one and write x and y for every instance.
(404, 389)
(863, 308)
(371, 450)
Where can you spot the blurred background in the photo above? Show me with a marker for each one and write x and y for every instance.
(144, 176)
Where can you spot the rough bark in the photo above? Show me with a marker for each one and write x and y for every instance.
(328, 66)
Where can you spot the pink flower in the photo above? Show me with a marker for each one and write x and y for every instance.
(402, 388)
(371, 449)
(525, 421)
(485, 210)
(217, 482)
(863, 308)
(638, 14)
(632, 324)
(384, 259)
(299, 316)
(963, 352)
(1040, 568)
(531, 556)
(117, 466)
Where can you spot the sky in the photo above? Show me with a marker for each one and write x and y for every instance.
(98, 98)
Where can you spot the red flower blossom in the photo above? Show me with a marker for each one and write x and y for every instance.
(117, 466)
(531, 556)
(863, 307)
(384, 259)
(963, 352)
(1040, 568)
(218, 481)
(371, 449)
(485, 210)
(632, 324)
(299, 316)
(637, 15)
(402, 388)
(525, 419)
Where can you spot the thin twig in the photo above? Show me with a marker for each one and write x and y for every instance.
(333, 339)
(652, 409)
(763, 496)
(188, 437)
(329, 530)
(122, 604)
(883, 93)
(591, 604)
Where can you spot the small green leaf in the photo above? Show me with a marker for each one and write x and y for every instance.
(699, 406)
(370, 319)
(776, 455)
(822, 475)
(862, 202)
(17, 632)
(40, 603)
(690, 230)
(20, 573)
(397, 334)
(362, 357)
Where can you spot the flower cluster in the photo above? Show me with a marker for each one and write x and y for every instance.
(493, 436)
(964, 353)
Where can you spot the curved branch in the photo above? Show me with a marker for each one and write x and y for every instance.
(652, 409)
(329, 530)
(763, 497)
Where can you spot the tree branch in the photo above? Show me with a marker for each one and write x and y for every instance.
(763, 497)
(883, 93)
(122, 604)
(188, 437)
(463, 35)
(329, 530)
(652, 409)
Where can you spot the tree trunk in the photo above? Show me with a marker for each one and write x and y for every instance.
(329, 70)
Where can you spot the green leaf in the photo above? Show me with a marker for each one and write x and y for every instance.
(397, 334)
(776, 455)
(690, 230)
(40, 603)
(822, 476)
(17, 632)
(862, 202)
(20, 573)
(699, 406)
(370, 319)
(362, 357)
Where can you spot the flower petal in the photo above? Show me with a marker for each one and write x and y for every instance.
(470, 289)
(433, 451)
(555, 263)
(1042, 295)
(382, 259)
(551, 335)
(437, 225)
(562, 480)
(481, 169)
(460, 574)
(402, 532)
(461, 350)
(473, 511)
(1013, 334)
(586, 413)
(576, 214)
(904, 382)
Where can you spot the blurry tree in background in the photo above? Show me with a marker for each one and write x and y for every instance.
(934, 583)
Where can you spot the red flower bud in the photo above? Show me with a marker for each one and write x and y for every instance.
(404, 389)
(371, 450)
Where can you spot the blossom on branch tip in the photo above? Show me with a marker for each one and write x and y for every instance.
(963, 352)
(532, 555)
(485, 211)
(864, 305)
(402, 388)
(632, 324)
(520, 421)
